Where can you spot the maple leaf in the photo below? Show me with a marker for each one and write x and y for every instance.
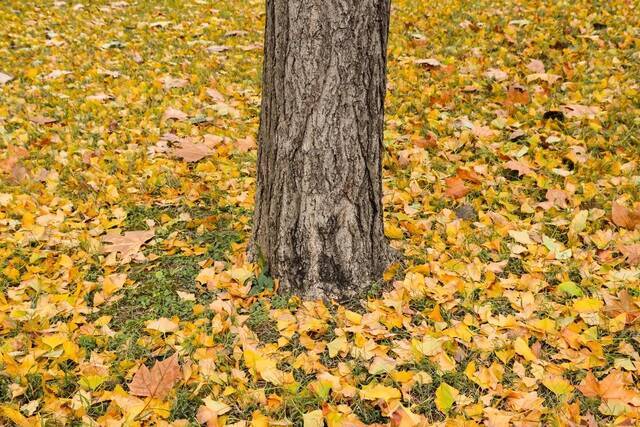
(215, 95)
(5, 78)
(520, 167)
(631, 253)
(496, 74)
(191, 152)
(611, 387)
(625, 217)
(246, 144)
(536, 66)
(580, 111)
(516, 95)
(173, 82)
(128, 244)
(158, 381)
(42, 120)
(456, 188)
(175, 114)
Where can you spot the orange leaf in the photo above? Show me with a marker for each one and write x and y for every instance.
(455, 187)
(611, 387)
(469, 175)
(158, 381)
(624, 217)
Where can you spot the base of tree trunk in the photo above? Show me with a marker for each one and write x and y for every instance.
(318, 222)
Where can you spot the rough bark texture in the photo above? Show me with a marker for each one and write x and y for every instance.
(318, 220)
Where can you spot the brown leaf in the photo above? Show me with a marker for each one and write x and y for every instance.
(158, 381)
(173, 82)
(579, 111)
(536, 66)
(246, 144)
(5, 78)
(496, 74)
(624, 217)
(41, 120)
(215, 95)
(631, 253)
(190, 152)
(455, 187)
(555, 197)
(520, 167)
(516, 95)
(172, 113)
(128, 244)
(428, 62)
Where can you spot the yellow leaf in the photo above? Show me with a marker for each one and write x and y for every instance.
(558, 385)
(162, 325)
(522, 348)
(15, 416)
(54, 341)
(375, 391)
(338, 345)
(393, 231)
(587, 305)
(445, 397)
(313, 419)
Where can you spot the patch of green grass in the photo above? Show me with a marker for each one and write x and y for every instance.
(5, 392)
(501, 305)
(185, 406)
(260, 323)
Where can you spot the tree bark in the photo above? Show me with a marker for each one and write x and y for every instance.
(318, 222)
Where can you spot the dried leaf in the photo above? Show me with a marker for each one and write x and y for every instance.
(157, 382)
(456, 188)
(174, 114)
(624, 217)
(191, 152)
(128, 244)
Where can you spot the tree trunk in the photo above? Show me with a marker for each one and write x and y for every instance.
(318, 221)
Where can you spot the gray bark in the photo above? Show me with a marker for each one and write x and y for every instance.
(318, 222)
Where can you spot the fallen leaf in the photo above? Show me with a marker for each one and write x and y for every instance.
(128, 244)
(456, 188)
(376, 391)
(536, 66)
(209, 412)
(580, 111)
(162, 325)
(624, 217)
(496, 74)
(5, 78)
(191, 152)
(42, 120)
(631, 253)
(158, 381)
(445, 397)
(520, 167)
(174, 114)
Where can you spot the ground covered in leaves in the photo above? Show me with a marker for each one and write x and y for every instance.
(512, 186)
